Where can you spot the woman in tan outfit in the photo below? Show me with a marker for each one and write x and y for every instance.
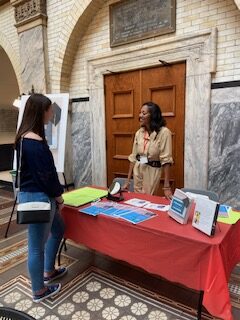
(151, 152)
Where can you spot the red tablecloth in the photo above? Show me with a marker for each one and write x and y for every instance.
(164, 247)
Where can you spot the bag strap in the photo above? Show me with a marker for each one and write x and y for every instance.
(19, 165)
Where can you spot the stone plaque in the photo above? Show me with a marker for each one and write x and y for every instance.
(133, 20)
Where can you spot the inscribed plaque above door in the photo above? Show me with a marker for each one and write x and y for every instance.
(134, 20)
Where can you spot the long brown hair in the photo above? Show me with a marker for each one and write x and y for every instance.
(33, 116)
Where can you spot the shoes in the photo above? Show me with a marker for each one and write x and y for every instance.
(51, 291)
(59, 273)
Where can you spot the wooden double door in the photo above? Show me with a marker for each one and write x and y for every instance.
(124, 95)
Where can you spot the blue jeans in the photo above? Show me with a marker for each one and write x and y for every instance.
(43, 240)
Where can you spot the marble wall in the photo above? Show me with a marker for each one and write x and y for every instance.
(224, 147)
(81, 141)
(33, 64)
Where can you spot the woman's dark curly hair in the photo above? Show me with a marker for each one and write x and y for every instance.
(156, 119)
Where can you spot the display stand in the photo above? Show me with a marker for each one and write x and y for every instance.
(13, 173)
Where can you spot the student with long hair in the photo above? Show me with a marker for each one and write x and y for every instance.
(39, 182)
(151, 152)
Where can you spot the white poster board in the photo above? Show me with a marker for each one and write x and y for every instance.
(55, 131)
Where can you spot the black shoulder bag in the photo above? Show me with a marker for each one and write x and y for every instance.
(34, 211)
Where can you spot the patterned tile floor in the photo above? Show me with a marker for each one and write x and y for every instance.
(15, 291)
(91, 295)
(234, 288)
(87, 292)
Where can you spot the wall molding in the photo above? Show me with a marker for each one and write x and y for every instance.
(199, 52)
(227, 84)
(29, 14)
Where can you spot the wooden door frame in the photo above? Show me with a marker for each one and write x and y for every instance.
(193, 49)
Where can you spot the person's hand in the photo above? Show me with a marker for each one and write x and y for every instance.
(167, 193)
(125, 186)
(60, 206)
(59, 203)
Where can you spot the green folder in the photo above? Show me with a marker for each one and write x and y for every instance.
(82, 196)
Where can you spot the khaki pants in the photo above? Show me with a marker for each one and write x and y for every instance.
(146, 178)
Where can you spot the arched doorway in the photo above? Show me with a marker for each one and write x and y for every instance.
(9, 90)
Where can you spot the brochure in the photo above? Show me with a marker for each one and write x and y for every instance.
(137, 202)
(180, 206)
(157, 206)
(205, 215)
(224, 211)
(233, 216)
(106, 207)
(91, 210)
(133, 215)
(136, 217)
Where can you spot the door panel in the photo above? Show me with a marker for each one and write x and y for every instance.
(123, 104)
(166, 86)
(165, 97)
(124, 95)
(122, 98)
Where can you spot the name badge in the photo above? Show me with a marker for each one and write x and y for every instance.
(143, 159)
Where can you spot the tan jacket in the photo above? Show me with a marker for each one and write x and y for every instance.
(157, 146)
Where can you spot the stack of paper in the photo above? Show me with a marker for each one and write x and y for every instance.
(109, 208)
(147, 204)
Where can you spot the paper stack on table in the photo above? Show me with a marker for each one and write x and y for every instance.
(147, 204)
(116, 210)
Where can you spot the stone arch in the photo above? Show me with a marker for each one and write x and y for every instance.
(74, 28)
(237, 2)
(13, 57)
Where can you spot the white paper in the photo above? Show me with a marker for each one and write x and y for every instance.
(137, 202)
(143, 159)
(204, 215)
(196, 195)
(157, 206)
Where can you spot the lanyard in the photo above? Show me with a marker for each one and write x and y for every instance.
(145, 141)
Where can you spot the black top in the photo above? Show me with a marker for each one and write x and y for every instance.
(38, 172)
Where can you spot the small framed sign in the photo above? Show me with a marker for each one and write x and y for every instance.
(134, 20)
(180, 206)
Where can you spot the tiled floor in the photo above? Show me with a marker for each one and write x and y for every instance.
(176, 294)
(155, 297)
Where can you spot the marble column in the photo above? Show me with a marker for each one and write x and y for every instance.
(197, 131)
(31, 22)
(224, 149)
(82, 144)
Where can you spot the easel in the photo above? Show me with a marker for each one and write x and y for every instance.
(65, 186)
